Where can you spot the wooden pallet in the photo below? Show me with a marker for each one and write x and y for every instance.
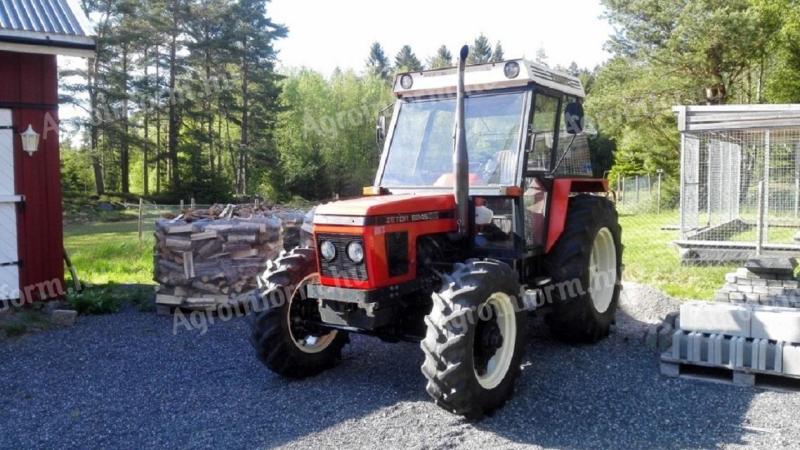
(746, 377)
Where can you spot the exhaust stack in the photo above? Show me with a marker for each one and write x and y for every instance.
(460, 156)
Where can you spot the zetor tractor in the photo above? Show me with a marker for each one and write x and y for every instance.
(466, 232)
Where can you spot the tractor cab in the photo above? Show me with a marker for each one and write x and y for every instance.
(483, 209)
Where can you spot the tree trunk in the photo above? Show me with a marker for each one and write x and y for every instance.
(158, 119)
(173, 110)
(124, 155)
(244, 143)
(146, 112)
(94, 128)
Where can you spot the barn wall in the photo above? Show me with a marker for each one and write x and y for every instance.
(29, 87)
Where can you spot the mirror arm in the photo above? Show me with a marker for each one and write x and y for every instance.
(563, 155)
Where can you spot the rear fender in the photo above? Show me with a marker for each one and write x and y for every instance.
(559, 203)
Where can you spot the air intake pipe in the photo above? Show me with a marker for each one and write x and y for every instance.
(460, 155)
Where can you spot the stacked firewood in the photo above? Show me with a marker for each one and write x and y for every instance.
(210, 257)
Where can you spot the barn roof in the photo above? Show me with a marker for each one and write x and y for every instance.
(58, 25)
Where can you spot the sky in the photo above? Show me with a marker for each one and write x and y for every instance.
(325, 34)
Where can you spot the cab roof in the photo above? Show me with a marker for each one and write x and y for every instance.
(487, 77)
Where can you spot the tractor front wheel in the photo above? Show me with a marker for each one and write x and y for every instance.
(285, 335)
(475, 338)
(586, 269)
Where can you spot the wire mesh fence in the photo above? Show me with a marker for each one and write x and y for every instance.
(740, 193)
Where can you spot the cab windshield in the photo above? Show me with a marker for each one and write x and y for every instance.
(421, 152)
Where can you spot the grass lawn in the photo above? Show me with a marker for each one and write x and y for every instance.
(649, 259)
(111, 253)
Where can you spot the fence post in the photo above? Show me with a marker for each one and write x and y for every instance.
(181, 206)
(796, 196)
(141, 219)
(760, 220)
(767, 159)
(658, 193)
(193, 204)
(637, 190)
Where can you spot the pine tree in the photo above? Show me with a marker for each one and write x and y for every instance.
(443, 58)
(498, 55)
(541, 56)
(378, 63)
(255, 34)
(481, 51)
(406, 60)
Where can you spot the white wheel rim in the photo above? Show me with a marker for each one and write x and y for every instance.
(500, 362)
(308, 344)
(603, 270)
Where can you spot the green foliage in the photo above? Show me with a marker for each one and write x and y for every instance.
(76, 174)
(325, 134)
(96, 301)
(442, 59)
(15, 329)
(481, 51)
(498, 54)
(710, 42)
(407, 61)
(378, 64)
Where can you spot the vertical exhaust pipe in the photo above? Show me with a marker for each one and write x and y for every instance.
(460, 156)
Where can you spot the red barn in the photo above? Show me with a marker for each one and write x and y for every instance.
(32, 34)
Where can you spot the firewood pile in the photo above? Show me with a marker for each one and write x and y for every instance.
(209, 257)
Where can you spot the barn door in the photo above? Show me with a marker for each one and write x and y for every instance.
(9, 257)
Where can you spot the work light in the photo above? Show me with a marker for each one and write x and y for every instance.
(511, 70)
(328, 250)
(355, 251)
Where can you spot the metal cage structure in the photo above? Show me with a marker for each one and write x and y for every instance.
(740, 182)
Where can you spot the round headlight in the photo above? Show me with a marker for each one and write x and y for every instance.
(406, 81)
(328, 250)
(512, 70)
(355, 251)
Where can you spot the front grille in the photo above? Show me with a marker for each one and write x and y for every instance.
(341, 266)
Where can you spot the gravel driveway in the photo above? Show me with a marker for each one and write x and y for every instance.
(125, 381)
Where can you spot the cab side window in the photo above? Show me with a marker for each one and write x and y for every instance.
(545, 118)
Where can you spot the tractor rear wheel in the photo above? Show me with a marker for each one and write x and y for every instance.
(475, 338)
(585, 265)
(282, 336)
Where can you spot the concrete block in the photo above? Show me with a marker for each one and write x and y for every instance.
(679, 345)
(790, 284)
(791, 359)
(760, 354)
(777, 364)
(716, 318)
(760, 290)
(730, 277)
(744, 379)
(736, 296)
(670, 369)
(759, 282)
(64, 317)
(776, 324)
(742, 352)
(771, 265)
(746, 289)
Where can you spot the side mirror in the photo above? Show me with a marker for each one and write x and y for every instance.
(573, 118)
(380, 130)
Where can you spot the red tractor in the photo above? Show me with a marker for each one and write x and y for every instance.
(464, 234)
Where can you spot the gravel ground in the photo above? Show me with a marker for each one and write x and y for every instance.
(125, 381)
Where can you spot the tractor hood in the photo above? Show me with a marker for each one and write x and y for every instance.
(348, 212)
